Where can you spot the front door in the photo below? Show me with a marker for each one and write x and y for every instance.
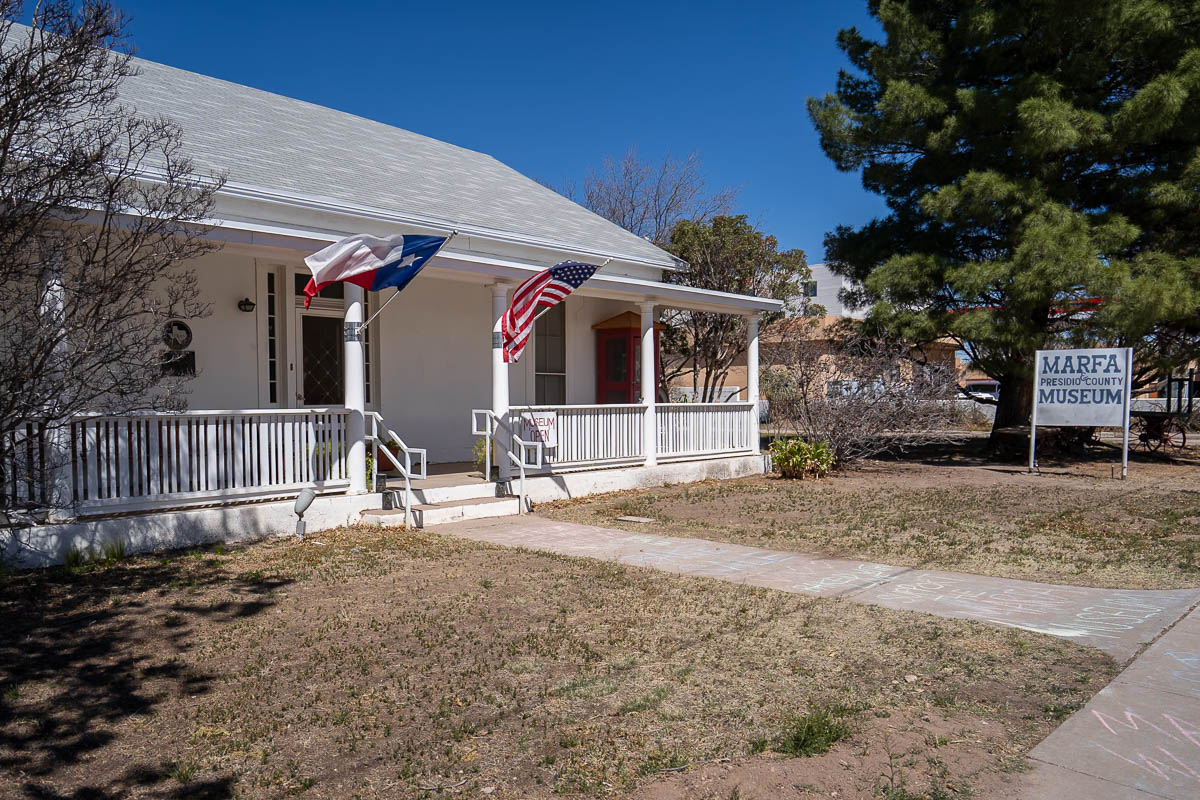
(320, 375)
(316, 347)
(618, 366)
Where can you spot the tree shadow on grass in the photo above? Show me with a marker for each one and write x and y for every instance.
(143, 781)
(84, 651)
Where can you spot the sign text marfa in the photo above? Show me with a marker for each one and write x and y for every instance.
(1082, 387)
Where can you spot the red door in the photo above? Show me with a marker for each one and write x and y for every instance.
(616, 367)
(619, 365)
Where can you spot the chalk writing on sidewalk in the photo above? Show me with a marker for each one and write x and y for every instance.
(1059, 608)
(1164, 747)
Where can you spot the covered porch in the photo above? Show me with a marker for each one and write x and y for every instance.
(291, 398)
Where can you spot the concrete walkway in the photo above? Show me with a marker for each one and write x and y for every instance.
(1138, 738)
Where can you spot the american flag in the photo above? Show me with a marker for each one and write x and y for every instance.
(545, 290)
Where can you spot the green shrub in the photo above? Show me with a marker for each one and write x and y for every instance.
(814, 733)
(480, 453)
(113, 550)
(76, 559)
(796, 458)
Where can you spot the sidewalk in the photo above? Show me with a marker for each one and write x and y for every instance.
(1119, 622)
(1138, 738)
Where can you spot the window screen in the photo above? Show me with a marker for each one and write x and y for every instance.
(550, 357)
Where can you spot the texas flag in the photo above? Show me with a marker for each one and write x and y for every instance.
(370, 262)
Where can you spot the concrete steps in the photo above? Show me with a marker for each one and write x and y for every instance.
(452, 510)
(435, 490)
(444, 494)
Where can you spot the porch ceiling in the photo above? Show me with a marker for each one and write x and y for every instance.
(484, 268)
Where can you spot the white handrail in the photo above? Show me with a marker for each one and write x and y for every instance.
(489, 429)
(406, 468)
(211, 412)
(731, 404)
(583, 406)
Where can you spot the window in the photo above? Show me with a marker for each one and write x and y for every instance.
(272, 341)
(550, 357)
(808, 289)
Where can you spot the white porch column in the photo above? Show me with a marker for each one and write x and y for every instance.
(500, 397)
(57, 480)
(752, 376)
(649, 386)
(354, 364)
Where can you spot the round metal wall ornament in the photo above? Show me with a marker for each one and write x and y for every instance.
(177, 335)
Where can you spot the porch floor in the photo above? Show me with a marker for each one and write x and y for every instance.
(457, 473)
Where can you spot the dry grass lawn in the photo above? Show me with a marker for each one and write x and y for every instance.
(1072, 524)
(383, 664)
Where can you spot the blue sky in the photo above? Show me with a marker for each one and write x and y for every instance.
(552, 87)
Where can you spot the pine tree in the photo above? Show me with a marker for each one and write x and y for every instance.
(1041, 164)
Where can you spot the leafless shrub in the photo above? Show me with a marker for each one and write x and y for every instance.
(864, 397)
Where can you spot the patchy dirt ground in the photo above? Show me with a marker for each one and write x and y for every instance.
(1073, 523)
(383, 664)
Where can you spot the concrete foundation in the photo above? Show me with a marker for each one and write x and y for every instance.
(46, 545)
(547, 488)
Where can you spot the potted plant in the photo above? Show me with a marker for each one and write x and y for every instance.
(383, 462)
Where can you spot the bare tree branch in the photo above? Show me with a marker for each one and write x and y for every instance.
(99, 209)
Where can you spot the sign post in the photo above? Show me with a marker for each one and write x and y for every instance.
(1082, 388)
(1128, 403)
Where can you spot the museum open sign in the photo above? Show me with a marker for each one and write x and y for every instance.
(1082, 387)
(540, 426)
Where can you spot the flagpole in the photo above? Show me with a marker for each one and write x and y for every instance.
(379, 311)
(548, 310)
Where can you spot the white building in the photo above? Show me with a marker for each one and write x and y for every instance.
(274, 403)
(825, 288)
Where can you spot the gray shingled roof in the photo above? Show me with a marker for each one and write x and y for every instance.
(288, 146)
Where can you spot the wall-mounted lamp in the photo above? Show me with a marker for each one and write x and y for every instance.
(246, 304)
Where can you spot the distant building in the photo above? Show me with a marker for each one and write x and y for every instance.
(824, 289)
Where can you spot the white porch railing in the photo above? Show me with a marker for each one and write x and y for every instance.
(508, 444)
(700, 429)
(143, 461)
(591, 435)
(401, 461)
(25, 466)
(147, 461)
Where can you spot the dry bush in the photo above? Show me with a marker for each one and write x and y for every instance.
(865, 397)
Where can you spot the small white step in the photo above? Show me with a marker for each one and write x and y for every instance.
(427, 514)
(444, 494)
(424, 493)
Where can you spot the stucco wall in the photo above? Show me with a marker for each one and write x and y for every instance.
(431, 351)
(226, 341)
(434, 365)
(434, 362)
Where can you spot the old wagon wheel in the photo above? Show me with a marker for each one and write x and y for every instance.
(1148, 433)
(1174, 434)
